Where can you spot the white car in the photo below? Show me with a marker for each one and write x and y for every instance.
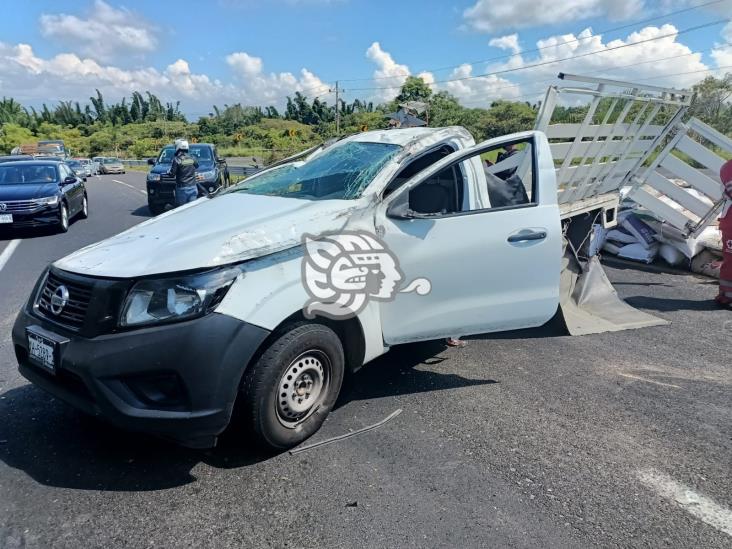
(270, 292)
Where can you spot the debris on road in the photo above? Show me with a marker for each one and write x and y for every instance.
(347, 435)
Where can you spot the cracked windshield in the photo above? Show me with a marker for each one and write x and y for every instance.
(342, 171)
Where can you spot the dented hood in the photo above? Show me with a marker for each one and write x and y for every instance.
(210, 232)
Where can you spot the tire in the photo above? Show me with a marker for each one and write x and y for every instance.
(276, 411)
(155, 209)
(84, 213)
(63, 224)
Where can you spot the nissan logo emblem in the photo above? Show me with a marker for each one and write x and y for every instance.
(59, 299)
(3, 206)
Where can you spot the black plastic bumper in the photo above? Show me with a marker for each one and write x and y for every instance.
(45, 217)
(177, 381)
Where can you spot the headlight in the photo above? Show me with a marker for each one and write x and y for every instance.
(171, 299)
(47, 201)
(205, 176)
(153, 177)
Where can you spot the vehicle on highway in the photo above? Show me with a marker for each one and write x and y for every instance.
(89, 167)
(111, 165)
(55, 147)
(97, 161)
(211, 175)
(79, 169)
(15, 157)
(272, 290)
(35, 193)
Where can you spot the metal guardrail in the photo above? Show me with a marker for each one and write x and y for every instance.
(233, 170)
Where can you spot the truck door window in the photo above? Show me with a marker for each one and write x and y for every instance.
(416, 166)
(509, 174)
(440, 194)
(500, 177)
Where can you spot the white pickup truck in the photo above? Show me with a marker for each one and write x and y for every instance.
(314, 267)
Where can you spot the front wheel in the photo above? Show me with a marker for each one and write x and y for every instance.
(63, 223)
(290, 390)
(84, 213)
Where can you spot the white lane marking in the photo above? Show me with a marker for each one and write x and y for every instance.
(8, 251)
(631, 376)
(695, 504)
(130, 186)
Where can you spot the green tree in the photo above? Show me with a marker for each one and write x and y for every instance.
(506, 117)
(414, 89)
(711, 102)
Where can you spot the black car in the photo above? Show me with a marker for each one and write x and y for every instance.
(211, 174)
(37, 193)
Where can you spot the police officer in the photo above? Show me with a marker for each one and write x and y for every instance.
(183, 169)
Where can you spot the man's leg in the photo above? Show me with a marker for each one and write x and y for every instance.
(184, 195)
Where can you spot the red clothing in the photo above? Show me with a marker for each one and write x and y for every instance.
(725, 274)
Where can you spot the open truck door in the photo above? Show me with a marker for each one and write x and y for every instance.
(482, 227)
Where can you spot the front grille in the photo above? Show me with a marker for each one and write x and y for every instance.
(74, 313)
(19, 206)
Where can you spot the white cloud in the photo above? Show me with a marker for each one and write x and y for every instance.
(660, 59)
(262, 88)
(388, 72)
(485, 89)
(32, 79)
(509, 42)
(722, 53)
(106, 33)
(491, 16)
(390, 75)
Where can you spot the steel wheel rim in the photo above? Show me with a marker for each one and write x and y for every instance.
(302, 387)
(64, 217)
(85, 206)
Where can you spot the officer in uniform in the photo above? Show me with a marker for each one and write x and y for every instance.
(183, 169)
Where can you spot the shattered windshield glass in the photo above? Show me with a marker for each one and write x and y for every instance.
(342, 171)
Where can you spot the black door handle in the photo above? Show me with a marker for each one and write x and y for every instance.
(525, 236)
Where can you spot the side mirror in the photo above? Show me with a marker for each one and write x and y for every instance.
(151, 161)
(399, 208)
(70, 180)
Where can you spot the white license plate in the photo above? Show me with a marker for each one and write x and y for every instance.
(42, 351)
(6, 218)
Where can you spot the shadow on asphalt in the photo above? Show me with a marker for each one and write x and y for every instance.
(666, 304)
(142, 211)
(24, 234)
(58, 446)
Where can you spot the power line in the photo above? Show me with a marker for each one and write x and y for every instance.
(570, 58)
(520, 52)
(542, 90)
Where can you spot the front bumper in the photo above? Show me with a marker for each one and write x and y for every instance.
(42, 217)
(177, 381)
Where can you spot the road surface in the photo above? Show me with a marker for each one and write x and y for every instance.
(525, 439)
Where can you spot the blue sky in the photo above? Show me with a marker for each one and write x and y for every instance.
(255, 51)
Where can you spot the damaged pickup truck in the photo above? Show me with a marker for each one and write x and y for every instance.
(314, 267)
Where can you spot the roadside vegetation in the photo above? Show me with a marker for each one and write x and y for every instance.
(139, 126)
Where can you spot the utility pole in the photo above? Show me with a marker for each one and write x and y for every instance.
(338, 111)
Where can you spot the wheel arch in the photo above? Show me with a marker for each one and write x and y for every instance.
(349, 331)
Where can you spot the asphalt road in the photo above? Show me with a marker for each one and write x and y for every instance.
(525, 439)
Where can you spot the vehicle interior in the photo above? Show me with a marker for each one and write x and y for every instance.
(14, 174)
(443, 193)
